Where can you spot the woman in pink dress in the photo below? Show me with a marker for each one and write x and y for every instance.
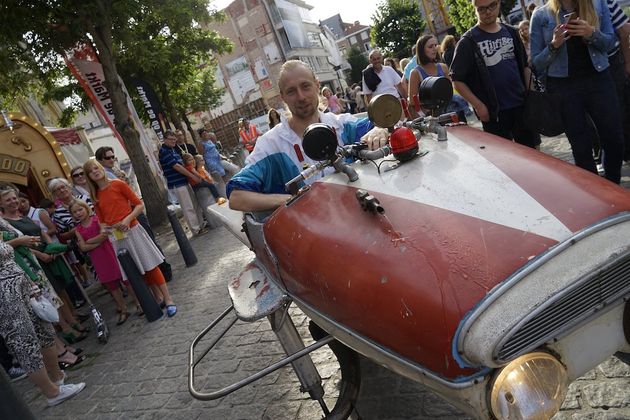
(332, 100)
(96, 243)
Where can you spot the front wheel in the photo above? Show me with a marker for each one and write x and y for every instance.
(350, 381)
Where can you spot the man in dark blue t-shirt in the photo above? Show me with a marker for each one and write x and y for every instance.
(490, 70)
(177, 181)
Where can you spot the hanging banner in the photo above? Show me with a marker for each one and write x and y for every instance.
(85, 67)
(151, 106)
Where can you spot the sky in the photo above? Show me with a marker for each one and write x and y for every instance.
(350, 10)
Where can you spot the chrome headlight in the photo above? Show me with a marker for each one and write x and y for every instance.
(532, 386)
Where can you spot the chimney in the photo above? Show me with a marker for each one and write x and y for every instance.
(356, 22)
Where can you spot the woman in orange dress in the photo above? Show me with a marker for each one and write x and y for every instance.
(117, 207)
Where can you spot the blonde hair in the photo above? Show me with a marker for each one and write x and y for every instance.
(187, 156)
(92, 187)
(584, 10)
(77, 202)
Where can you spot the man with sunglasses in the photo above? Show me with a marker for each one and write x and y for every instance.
(490, 71)
(105, 156)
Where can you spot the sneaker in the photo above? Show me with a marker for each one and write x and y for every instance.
(221, 200)
(16, 373)
(62, 380)
(171, 310)
(66, 391)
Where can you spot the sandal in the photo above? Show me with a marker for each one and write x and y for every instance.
(122, 317)
(66, 365)
(79, 328)
(71, 338)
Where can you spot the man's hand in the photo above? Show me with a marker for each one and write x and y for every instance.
(376, 138)
(482, 112)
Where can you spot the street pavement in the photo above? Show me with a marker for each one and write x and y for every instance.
(141, 373)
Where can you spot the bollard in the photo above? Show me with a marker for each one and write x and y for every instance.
(190, 258)
(12, 406)
(150, 307)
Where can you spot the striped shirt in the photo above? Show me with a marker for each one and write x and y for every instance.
(168, 159)
(618, 18)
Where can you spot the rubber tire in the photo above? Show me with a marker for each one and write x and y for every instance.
(350, 375)
(624, 357)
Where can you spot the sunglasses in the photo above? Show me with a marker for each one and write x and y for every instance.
(489, 8)
(78, 174)
(109, 157)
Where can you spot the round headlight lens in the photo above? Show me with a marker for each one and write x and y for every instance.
(532, 386)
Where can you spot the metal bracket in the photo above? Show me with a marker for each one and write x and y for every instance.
(213, 395)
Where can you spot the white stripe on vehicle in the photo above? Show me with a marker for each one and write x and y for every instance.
(456, 177)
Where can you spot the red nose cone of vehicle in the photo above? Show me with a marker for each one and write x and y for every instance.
(404, 144)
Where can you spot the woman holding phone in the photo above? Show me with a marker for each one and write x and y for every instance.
(569, 42)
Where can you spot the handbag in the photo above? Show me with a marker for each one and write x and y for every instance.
(44, 309)
(540, 112)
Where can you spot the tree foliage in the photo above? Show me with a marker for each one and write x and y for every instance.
(40, 31)
(358, 62)
(462, 14)
(396, 27)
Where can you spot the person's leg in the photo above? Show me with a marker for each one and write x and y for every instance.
(574, 118)
(51, 362)
(155, 277)
(219, 182)
(500, 128)
(204, 198)
(604, 110)
(188, 208)
(522, 134)
(6, 360)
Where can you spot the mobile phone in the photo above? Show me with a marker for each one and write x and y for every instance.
(570, 16)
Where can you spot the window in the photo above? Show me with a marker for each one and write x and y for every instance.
(313, 39)
(353, 40)
(364, 35)
(367, 46)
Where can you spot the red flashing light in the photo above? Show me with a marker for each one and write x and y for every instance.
(404, 144)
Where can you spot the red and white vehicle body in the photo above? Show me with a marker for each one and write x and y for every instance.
(495, 276)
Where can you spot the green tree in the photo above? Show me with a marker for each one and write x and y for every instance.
(396, 26)
(462, 14)
(40, 31)
(358, 62)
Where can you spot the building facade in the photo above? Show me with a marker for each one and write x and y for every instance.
(265, 34)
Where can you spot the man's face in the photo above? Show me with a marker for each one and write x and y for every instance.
(376, 59)
(108, 159)
(170, 141)
(181, 138)
(487, 10)
(300, 91)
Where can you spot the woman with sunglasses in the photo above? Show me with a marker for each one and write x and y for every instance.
(79, 182)
(569, 41)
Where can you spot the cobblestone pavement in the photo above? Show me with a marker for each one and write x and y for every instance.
(141, 373)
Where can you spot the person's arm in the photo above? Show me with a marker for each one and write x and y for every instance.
(42, 256)
(23, 240)
(179, 168)
(414, 81)
(624, 45)
(254, 201)
(47, 221)
(480, 108)
(91, 244)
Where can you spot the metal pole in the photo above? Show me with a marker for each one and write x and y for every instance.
(150, 307)
(190, 258)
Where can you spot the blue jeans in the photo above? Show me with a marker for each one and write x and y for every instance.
(592, 96)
